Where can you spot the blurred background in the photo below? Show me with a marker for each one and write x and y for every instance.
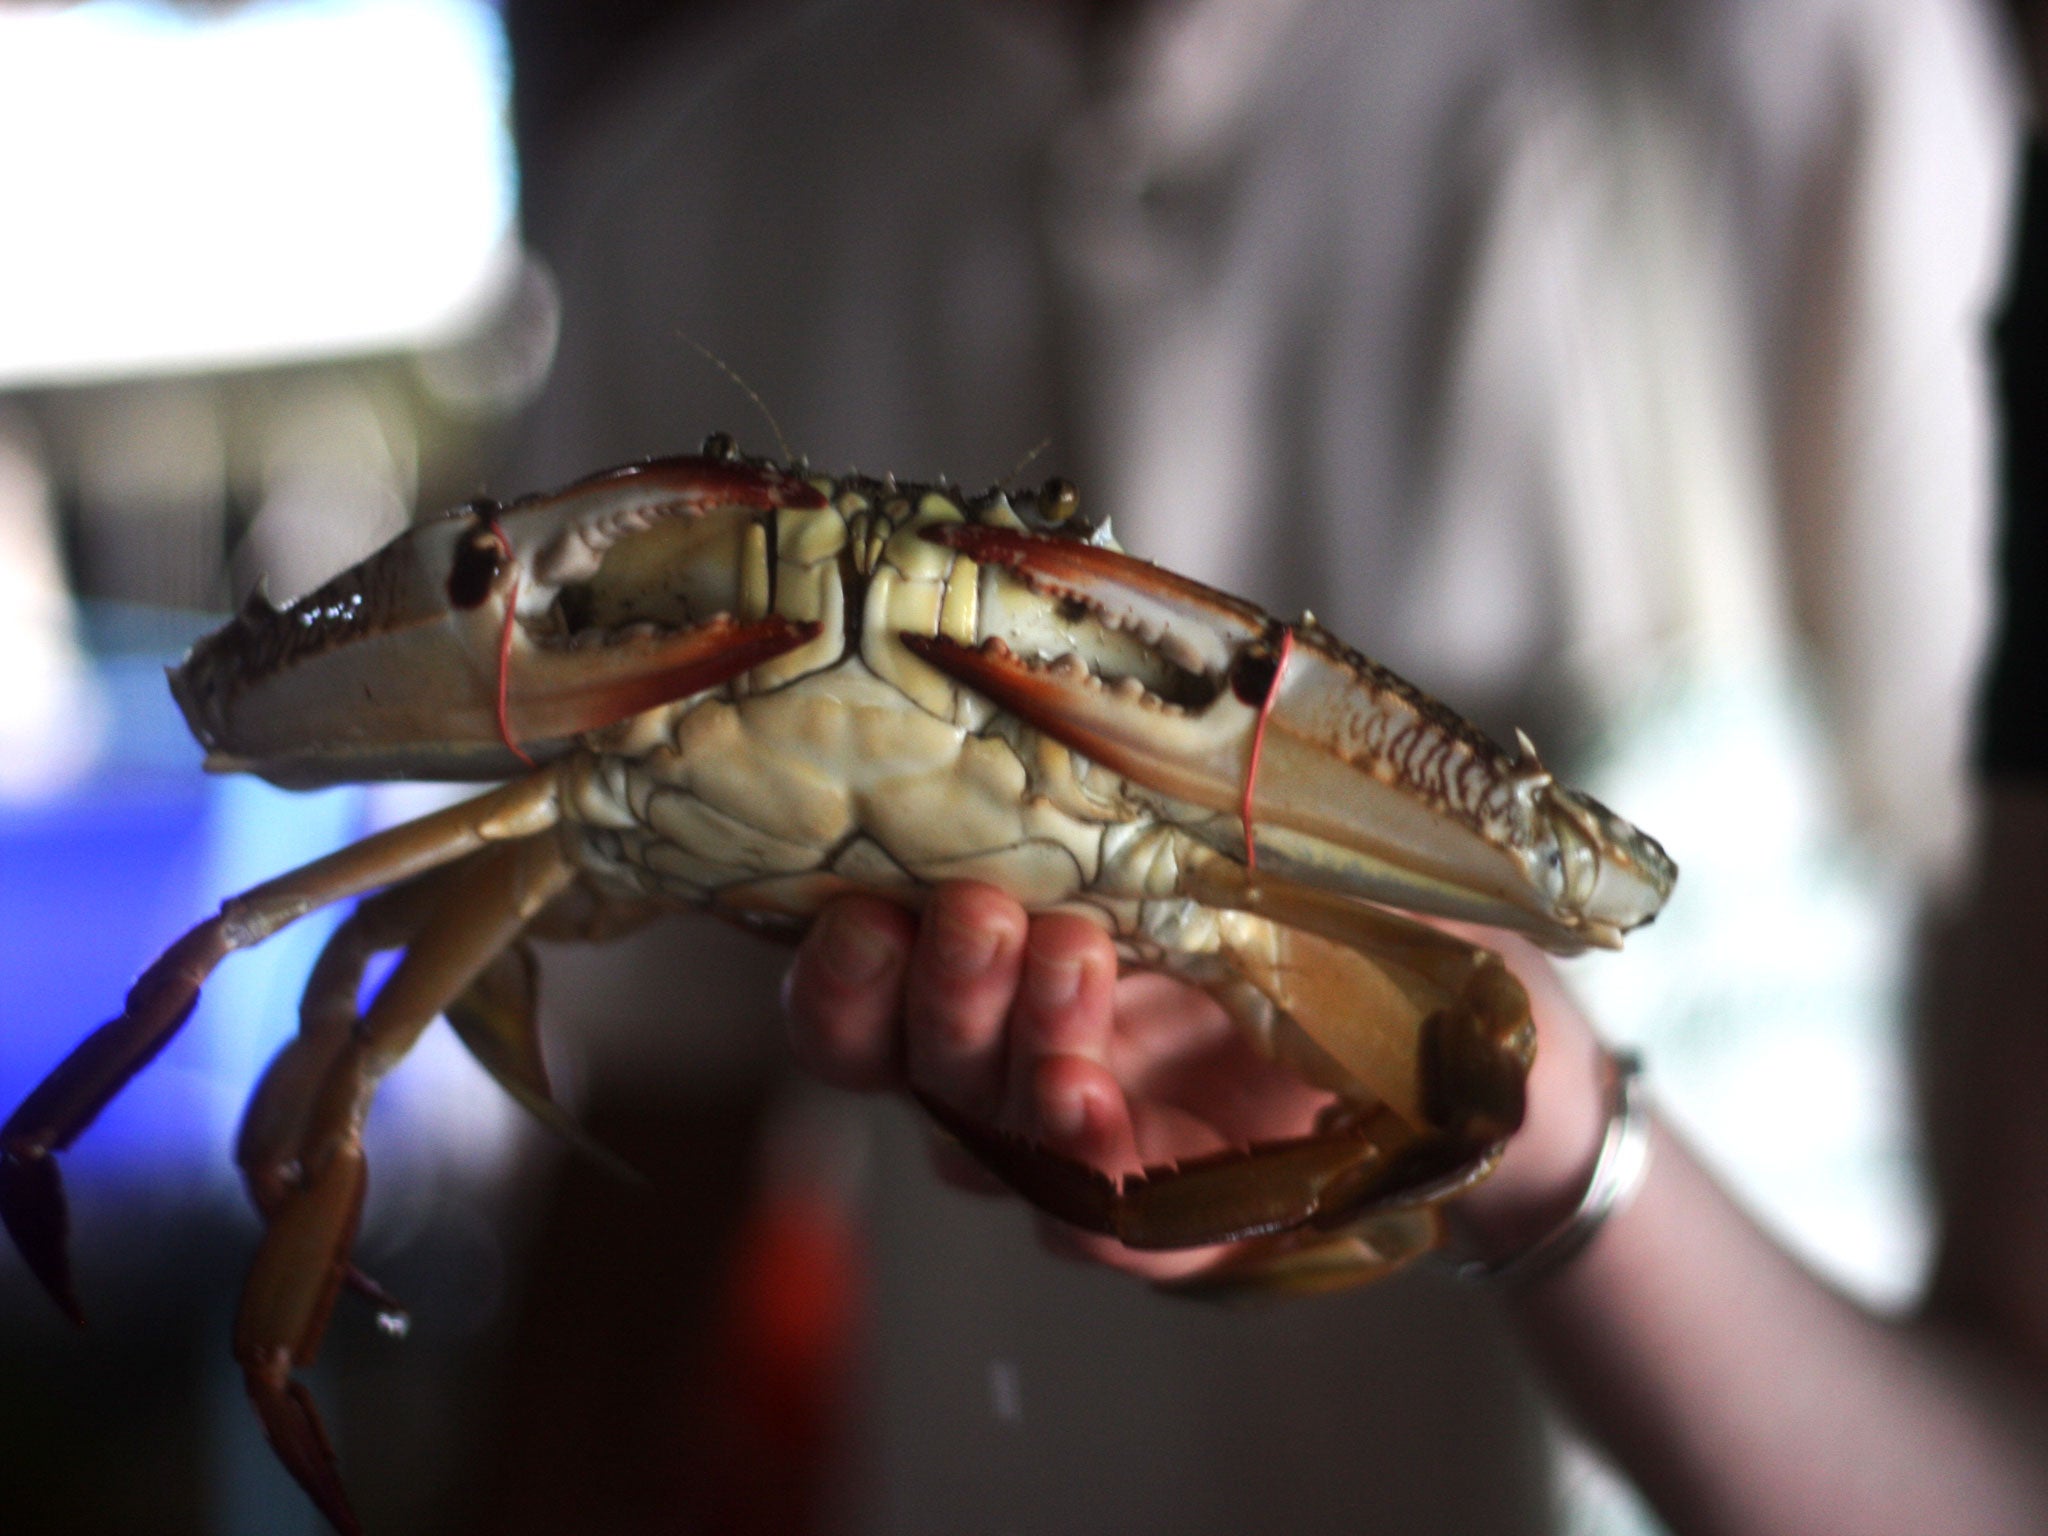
(263, 296)
(1617, 370)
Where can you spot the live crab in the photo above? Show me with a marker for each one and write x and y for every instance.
(718, 681)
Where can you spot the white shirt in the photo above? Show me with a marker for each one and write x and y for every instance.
(1544, 351)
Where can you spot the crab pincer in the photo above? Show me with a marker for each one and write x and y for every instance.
(1367, 785)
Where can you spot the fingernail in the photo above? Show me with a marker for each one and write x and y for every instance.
(1065, 1115)
(856, 953)
(1053, 983)
(963, 949)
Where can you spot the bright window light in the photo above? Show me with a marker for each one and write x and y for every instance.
(186, 189)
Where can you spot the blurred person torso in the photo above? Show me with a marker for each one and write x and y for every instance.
(1543, 350)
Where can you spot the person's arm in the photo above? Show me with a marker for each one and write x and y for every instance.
(1741, 1393)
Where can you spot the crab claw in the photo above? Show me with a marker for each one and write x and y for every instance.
(485, 640)
(1363, 783)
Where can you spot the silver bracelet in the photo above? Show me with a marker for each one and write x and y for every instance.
(1617, 1174)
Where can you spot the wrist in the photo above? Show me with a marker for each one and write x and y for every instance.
(1617, 1173)
(1545, 1169)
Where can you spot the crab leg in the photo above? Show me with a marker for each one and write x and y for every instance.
(301, 1265)
(1226, 1197)
(1307, 1263)
(498, 1019)
(1436, 1028)
(1310, 1214)
(58, 1109)
(275, 1119)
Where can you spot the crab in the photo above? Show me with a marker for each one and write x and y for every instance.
(724, 682)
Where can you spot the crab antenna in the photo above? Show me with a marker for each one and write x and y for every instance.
(1030, 457)
(744, 388)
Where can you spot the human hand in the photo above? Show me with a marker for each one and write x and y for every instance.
(1024, 1023)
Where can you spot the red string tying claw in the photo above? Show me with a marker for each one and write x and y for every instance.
(1251, 769)
(505, 644)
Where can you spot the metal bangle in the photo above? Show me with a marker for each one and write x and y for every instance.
(1617, 1174)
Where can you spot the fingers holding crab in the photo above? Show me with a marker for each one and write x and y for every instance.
(987, 1015)
(844, 993)
(965, 979)
(1046, 1069)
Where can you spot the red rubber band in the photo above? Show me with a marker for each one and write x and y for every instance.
(505, 645)
(1251, 769)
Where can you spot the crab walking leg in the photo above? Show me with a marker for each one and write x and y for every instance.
(301, 1265)
(1438, 1029)
(59, 1109)
(275, 1121)
(1311, 1263)
(1226, 1197)
(498, 1019)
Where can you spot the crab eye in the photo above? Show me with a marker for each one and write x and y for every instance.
(1058, 501)
(478, 559)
